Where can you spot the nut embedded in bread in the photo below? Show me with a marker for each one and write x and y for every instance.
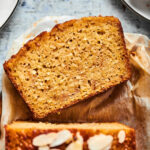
(75, 61)
(87, 136)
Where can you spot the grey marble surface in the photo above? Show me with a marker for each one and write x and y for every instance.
(29, 11)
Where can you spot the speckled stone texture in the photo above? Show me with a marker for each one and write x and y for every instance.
(29, 11)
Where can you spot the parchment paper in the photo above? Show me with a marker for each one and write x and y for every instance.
(128, 103)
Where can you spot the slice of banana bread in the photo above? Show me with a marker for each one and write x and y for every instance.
(87, 136)
(76, 60)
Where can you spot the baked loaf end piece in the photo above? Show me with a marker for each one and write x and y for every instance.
(88, 136)
(75, 61)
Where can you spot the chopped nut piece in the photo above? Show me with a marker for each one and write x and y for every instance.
(77, 145)
(121, 136)
(44, 139)
(62, 137)
(100, 142)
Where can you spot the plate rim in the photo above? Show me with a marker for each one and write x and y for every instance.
(2, 26)
(134, 11)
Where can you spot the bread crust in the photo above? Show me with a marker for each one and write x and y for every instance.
(62, 27)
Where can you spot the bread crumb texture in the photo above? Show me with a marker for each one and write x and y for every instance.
(76, 60)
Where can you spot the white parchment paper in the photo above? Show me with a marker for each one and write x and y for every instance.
(128, 103)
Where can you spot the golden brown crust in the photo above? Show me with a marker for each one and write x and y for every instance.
(62, 27)
(21, 138)
(6, 67)
(124, 44)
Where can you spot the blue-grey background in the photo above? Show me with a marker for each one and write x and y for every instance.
(29, 11)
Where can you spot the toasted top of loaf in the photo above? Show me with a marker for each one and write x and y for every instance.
(76, 60)
(27, 135)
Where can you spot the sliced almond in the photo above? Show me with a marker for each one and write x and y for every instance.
(62, 137)
(121, 136)
(100, 142)
(43, 148)
(44, 139)
(77, 145)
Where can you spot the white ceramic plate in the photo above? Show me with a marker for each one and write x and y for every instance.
(140, 7)
(6, 9)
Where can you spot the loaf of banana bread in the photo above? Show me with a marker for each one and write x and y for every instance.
(87, 136)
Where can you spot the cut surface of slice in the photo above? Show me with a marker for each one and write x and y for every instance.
(75, 61)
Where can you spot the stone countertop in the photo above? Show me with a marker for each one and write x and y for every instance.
(29, 11)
